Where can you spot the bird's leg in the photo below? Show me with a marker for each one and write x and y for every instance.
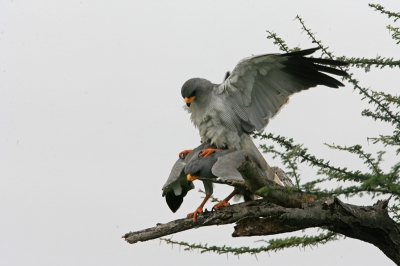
(206, 152)
(199, 209)
(183, 153)
(224, 202)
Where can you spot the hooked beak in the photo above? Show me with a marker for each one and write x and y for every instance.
(191, 177)
(189, 100)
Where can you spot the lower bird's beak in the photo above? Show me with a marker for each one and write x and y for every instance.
(189, 100)
(191, 177)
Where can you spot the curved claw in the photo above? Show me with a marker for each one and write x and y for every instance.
(183, 154)
(194, 214)
(199, 209)
(221, 204)
(225, 202)
(206, 152)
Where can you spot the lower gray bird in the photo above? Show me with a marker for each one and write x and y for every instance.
(221, 164)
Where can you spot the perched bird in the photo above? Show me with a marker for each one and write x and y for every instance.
(251, 95)
(221, 164)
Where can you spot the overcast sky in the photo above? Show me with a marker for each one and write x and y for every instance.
(91, 120)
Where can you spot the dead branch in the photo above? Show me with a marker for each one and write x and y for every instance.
(286, 210)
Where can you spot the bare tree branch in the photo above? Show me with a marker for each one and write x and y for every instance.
(226, 215)
(371, 224)
(285, 209)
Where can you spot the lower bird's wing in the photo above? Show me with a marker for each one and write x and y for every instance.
(177, 186)
(226, 166)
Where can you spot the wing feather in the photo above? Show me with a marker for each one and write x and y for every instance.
(259, 86)
(226, 166)
(238, 109)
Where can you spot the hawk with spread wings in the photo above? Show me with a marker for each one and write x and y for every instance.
(256, 90)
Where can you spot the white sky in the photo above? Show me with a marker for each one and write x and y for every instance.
(91, 120)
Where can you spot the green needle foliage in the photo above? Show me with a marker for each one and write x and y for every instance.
(273, 244)
(384, 107)
(395, 30)
(367, 63)
(212, 198)
(372, 181)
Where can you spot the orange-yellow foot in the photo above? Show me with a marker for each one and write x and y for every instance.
(194, 214)
(221, 204)
(183, 153)
(190, 177)
(206, 152)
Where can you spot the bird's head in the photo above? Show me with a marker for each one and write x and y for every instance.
(193, 169)
(195, 89)
(200, 167)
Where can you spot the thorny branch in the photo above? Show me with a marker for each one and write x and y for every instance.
(286, 210)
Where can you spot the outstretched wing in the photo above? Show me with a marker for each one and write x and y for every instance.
(260, 85)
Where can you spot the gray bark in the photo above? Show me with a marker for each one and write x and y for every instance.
(285, 210)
